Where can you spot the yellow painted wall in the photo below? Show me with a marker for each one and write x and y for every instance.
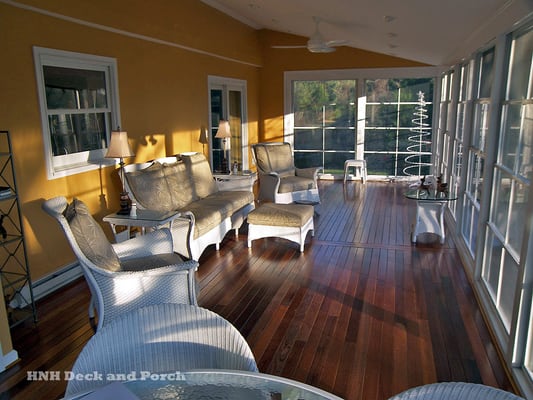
(163, 93)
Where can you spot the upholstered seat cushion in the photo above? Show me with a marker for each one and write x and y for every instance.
(210, 211)
(272, 214)
(90, 237)
(295, 183)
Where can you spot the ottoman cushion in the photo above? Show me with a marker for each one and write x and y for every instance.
(272, 214)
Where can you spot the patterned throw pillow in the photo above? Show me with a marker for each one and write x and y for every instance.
(90, 236)
(179, 184)
(150, 188)
(204, 183)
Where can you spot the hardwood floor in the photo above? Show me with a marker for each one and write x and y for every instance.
(362, 313)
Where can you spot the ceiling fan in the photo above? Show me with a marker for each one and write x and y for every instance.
(317, 43)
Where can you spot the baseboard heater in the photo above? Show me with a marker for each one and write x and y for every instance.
(47, 285)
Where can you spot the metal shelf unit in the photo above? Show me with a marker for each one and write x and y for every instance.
(14, 268)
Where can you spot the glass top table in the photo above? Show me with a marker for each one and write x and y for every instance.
(429, 217)
(429, 195)
(208, 384)
(143, 219)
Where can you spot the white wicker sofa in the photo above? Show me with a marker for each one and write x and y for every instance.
(185, 183)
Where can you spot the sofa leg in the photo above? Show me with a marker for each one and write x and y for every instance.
(236, 233)
(217, 246)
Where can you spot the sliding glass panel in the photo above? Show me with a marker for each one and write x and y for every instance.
(398, 126)
(324, 124)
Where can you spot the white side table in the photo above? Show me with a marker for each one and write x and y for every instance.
(144, 219)
(429, 217)
(236, 182)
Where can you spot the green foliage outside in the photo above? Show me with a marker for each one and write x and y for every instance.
(325, 121)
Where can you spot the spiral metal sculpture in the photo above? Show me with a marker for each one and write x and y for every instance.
(421, 141)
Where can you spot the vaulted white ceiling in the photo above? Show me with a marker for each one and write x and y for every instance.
(436, 32)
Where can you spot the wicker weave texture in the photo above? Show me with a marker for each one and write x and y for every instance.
(160, 339)
(455, 391)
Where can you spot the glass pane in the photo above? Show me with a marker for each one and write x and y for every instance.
(334, 162)
(235, 122)
(308, 139)
(492, 265)
(459, 132)
(307, 159)
(501, 199)
(486, 73)
(520, 69)
(378, 115)
(74, 133)
(394, 90)
(443, 87)
(475, 177)
(507, 289)
(525, 165)
(464, 83)
(510, 136)
(528, 362)
(74, 89)
(340, 139)
(518, 215)
(216, 116)
(390, 164)
(309, 98)
(481, 121)
(458, 160)
(380, 140)
(340, 108)
(469, 227)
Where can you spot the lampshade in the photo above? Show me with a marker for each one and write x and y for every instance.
(119, 146)
(223, 130)
(203, 136)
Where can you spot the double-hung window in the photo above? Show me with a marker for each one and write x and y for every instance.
(78, 96)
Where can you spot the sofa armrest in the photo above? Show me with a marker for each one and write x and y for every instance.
(268, 186)
(311, 172)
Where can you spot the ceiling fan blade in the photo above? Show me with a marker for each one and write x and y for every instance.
(288, 47)
(321, 49)
(336, 42)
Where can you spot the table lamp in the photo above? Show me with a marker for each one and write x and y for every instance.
(224, 133)
(119, 147)
(203, 138)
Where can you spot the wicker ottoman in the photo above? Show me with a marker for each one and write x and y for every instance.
(288, 221)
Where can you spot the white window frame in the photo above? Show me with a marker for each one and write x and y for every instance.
(359, 75)
(65, 165)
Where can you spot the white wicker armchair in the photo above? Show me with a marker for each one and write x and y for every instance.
(165, 338)
(279, 180)
(455, 391)
(124, 276)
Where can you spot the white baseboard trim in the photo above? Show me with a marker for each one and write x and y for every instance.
(7, 359)
(47, 285)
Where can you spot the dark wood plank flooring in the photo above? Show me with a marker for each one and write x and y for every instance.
(362, 313)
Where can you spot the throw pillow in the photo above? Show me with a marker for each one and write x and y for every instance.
(90, 236)
(179, 184)
(150, 189)
(199, 169)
